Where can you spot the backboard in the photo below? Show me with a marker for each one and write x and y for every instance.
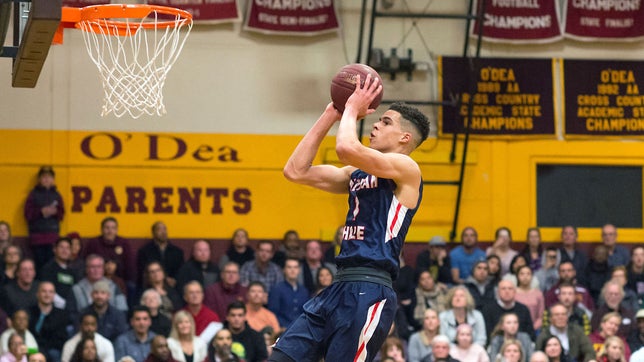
(34, 24)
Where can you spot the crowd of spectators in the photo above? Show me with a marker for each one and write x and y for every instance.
(65, 298)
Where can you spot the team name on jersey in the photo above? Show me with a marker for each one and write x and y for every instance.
(368, 182)
(355, 232)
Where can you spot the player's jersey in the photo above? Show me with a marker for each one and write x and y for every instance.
(376, 224)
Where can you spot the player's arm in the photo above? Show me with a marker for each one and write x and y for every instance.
(299, 167)
(396, 166)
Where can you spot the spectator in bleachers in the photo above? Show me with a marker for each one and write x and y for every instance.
(161, 250)
(436, 260)
(183, 342)
(630, 297)
(36, 357)
(86, 351)
(533, 250)
(548, 275)
(597, 272)
(511, 351)
(334, 249)
(11, 258)
(494, 269)
(617, 254)
(636, 339)
(506, 303)
(420, 342)
(635, 273)
(111, 246)
(6, 238)
(88, 329)
(206, 321)
(59, 272)
(517, 262)
(614, 350)
(464, 350)
(258, 316)
(20, 326)
(576, 315)
(574, 342)
(289, 247)
(610, 324)
(252, 341)
(220, 349)
(111, 321)
(44, 211)
(159, 350)
(17, 350)
(502, 247)
(82, 291)
(199, 267)
(428, 295)
(47, 323)
(479, 285)
(569, 251)
(392, 350)
(568, 274)
(154, 278)
(239, 250)
(404, 286)
(21, 293)
(227, 290)
(76, 261)
(286, 298)
(530, 296)
(464, 256)
(613, 295)
(262, 268)
(110, 270)
(313, 260)
(460, 309)
(325, 278)
(507, 329)
(136, 342)
(160, 322)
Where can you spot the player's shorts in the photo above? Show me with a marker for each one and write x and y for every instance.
(347, 321)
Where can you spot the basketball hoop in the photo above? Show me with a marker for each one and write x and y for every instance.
(134, 47)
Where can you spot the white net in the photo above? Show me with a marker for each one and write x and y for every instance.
(134, 57)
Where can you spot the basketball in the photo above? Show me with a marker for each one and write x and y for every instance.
(344, 83)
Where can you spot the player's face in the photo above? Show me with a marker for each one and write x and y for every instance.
(386, 133)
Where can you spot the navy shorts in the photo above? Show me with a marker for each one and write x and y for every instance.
(348, 321)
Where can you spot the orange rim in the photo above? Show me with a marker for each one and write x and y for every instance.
(100, 18)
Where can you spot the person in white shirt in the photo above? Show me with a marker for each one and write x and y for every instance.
(104, 347)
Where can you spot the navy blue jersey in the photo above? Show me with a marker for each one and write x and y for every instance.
(372, 237)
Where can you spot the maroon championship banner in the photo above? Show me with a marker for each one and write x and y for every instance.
(602, 98)
(205, 11)
(592, 20)
(302, 17)
(509, 97)
(519, 21)
(83, 3)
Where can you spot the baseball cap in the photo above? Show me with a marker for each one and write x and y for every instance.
(640, 314)
(437, 241)
(46, 170)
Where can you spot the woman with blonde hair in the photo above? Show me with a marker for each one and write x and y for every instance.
(613, 350)
(506, 329)
(184, 345)
(460, 309)
(464, 350)
(511, 351)
(420, 343)
(608, 327)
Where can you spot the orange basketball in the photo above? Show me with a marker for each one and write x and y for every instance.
(344, 83)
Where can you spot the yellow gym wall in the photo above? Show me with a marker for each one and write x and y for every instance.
(207, 185)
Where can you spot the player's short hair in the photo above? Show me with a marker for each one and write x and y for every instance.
(415, 116)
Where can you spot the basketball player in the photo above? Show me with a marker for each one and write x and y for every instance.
(349, 320)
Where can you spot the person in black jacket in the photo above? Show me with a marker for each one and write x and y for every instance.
(436, 260)
(162, 250)
(44, 211)
(506, 303)
(199, 267)
(47, 323)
